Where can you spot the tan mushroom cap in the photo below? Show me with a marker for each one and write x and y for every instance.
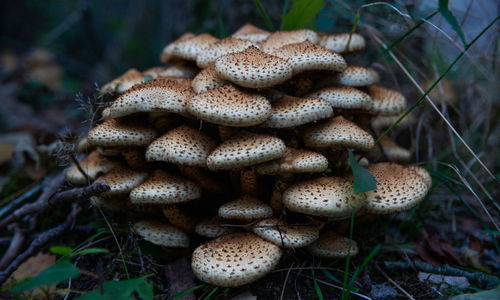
(227, 105)
(386, 101)
(124, 82)
(182, 145)
(357, 76)
(344, 97)
(212, 228)
(178, 218)
(338, 42)
(245, 208)
(325, 196)
(188, 48)
(295, 161)
(399, 188)
(122, 180)
(395, 152)
(338, 133)
(280, 38)
(244, 150)
(332, 245)
(380, 123)
(163, 188)
(207, 80)
(253, 68)
(93, 165)
(306, 56)
(162, 234)
(234, 259)
(251, 33)
(225, 46)
(158, 95)
(284, 235)
(120, 133)
(292, 111)
(167, 53)
(181, 69)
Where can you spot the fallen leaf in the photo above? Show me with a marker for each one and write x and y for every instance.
(484, 295)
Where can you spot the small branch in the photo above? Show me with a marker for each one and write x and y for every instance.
(14, 248)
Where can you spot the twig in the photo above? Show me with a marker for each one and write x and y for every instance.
(394, 283)
(15, 246)
(13, 204)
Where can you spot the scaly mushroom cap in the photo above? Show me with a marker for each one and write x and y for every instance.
(93, 165)
(357, 76)
(244, 150)
(163, 188)
(122, 180)
(162, 234)
(245, 208)
(338, 42)
(182, 145)
(251, 33)
(120, 133)
(227, 105)
(180, 69)
(220, 48)
(332, 245)
(344, 97)
(124, 82)
(386, 101)
(207, 80)
(178, 218)
(399, 188)
(158, 95)
(292, 111)
(167, 53)
(306, 56)
(395, 152)
(338, 133)
(325, 196)
(380, 123)
(280, 38)
(295, 161)
(212, 228)
(188, 48)
(284, 235)
(234, 259)
(253, 68)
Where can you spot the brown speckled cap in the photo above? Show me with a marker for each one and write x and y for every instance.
(234, 259)
(167, 53)
(120, 133)
(220, 48)
(163, 188)
(207, 80)
(212, 228)
(188, 48)
(295, 161)
(338, 42)
(162, 234)
(244, 150)
(124, 82)
(332, 245)
(292, 111)
(357, 76)
(280, 38)
(245, 208)
(253, 68)
(122, 180)
(385, 101)
(345, 97)
(251, 33)
(182, 145)
(93, 165)
(227, 105)
(394, 152)
(325, 196)
(180, 69)
(284, 235)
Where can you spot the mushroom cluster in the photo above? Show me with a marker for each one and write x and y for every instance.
(240, 144)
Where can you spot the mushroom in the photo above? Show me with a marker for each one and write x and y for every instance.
(332, 245)
(121, 133)
(187, 47)
(212, 228)
(207, 80)
(93, 165)
(122, 180)
(281, 38)
(162, 234)
(284, 235)
(338, 42)
(251, 33)
(124, 82)
(245, 208)
(344, 97)
(295, 161)
(221, 48)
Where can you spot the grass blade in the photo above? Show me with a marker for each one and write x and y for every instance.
(212, 292)
(345, 288)
(316, 287)
(181, 294)
(364, 263)
(301, 13)
(450, 18)
(264, 15)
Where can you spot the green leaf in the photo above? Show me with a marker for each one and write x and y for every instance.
(211, 293)
(181, 294)
(91, 251)
(264, 14)
(301, 13)
(363, 180)
(316, 287)
(114, 290)
(490, 294)
(450, 18)
(61, 270)
(61, 250)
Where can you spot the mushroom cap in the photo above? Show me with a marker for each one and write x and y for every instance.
(120, 133)
(178, 218)
(380, 122)
(338, 133)
(251, 33)
(163, 188)
(332, 245)
(288, 236)
(220, 48)
(399, 188)
(122, 180)
(306, 56)
(207, 80)
(234, 259)
(357, 76)
(227, 105)
(338, 42)
(167, 54)
(280, 38)
(188, 48)
(345, 97)
(180, 69)
(253, 68)
(157, 95)
(93, 165)
(245, 208)
(212, 228)
(386, 102)
(395, 152)
(162, 234)
(124, 82)
(295, 161)
(244, 150)
(182, 145)
(292, 111)
(324, 196)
